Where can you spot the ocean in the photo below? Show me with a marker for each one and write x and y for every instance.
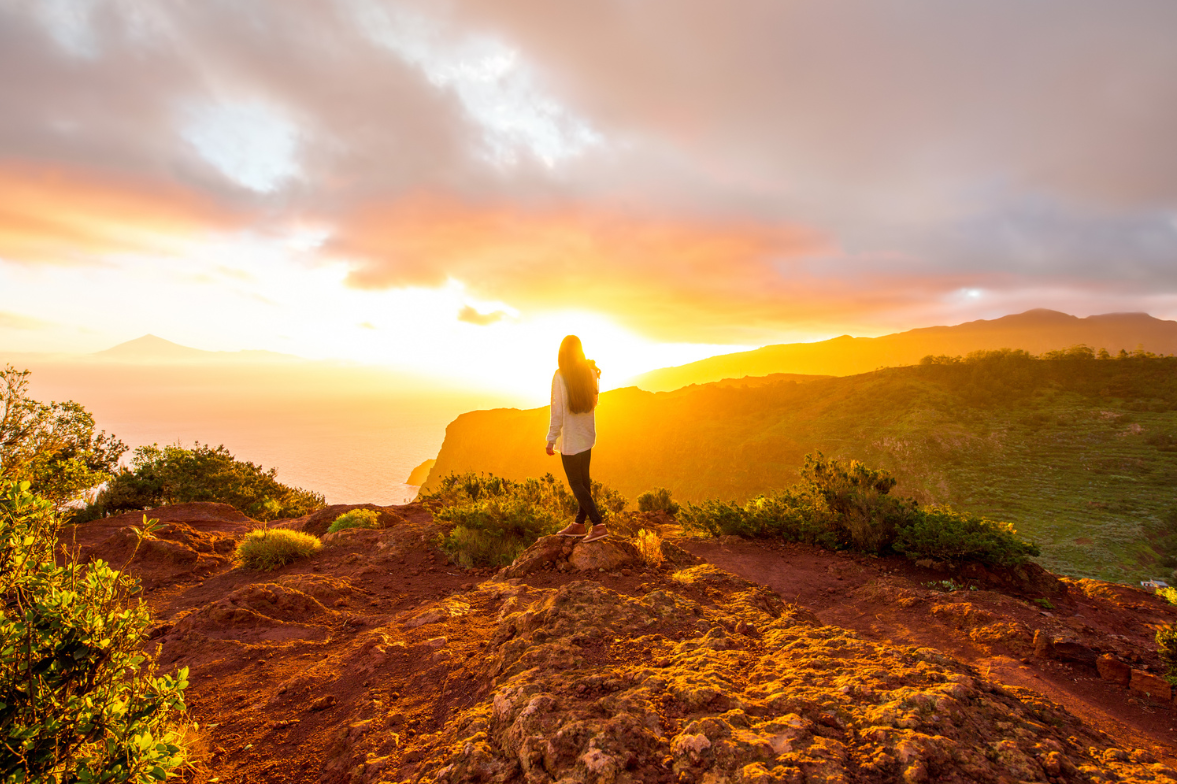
(350, 435)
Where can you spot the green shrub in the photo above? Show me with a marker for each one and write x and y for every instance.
(495, 519)
(953, 536)
(52, 446)
(470, 547)
(266, 549)
(657, 500)
(175, 475)
(80, 701)
(1167, 647)
(356, 518)
(840, 505)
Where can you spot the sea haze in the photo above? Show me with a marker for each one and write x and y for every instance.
(351, 433)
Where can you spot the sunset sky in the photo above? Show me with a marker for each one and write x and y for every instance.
(450, 187)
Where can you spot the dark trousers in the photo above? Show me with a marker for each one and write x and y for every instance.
(577, 468)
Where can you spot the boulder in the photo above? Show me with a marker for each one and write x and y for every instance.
(1148, 684)
(547, 550)
(607, 554)
(1043, 647)
(1071, 650)
(1112, 669)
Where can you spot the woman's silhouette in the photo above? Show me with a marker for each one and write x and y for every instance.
(574, 431)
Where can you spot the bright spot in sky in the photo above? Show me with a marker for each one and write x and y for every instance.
(307, 240)
(496, 88)
(972, 294)
(250, 143)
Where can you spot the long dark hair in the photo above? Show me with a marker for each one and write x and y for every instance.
(580, 376)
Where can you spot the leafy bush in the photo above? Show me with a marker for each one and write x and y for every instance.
(1167, 648)
(470, 547)
(52, 446)
(356, 518)
(657, 500)
(840, 505)
(495, 519)
(945, 534)
(174, 475)
(79, 700)
(266, 549)
(649, 544)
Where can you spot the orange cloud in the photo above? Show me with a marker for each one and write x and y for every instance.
(61, 216)
(660, 275)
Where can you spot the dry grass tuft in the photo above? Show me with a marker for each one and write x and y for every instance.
(270, 548)
(649, 544)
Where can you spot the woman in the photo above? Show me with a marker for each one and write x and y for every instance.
(574, 431)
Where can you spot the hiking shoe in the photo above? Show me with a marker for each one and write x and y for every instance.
(599, 532)
(572, 529)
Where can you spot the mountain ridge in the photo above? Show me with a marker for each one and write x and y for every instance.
(1037, 331)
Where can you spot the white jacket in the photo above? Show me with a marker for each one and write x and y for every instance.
(570, 433)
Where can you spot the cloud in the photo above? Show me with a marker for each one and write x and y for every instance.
(472, 316)
(58, 216)
(902, 101)
(654, 274)
(737, 173)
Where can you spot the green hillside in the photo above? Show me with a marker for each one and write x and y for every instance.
(1080, 454)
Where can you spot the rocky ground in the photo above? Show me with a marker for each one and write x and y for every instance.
(731, 661)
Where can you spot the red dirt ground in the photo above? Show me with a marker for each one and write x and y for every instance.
(290, 669)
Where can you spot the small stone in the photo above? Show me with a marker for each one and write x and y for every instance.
(323, 703)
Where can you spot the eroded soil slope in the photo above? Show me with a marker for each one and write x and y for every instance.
(376, 660)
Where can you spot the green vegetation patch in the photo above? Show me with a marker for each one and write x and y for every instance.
(495, 519)
(657, 500)
(1167, 650)
(356, 518)
(847, 505)
(175, 475)
(52, 446)
(266, 549)
(80, 698)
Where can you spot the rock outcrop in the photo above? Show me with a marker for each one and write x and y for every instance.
(594, 686)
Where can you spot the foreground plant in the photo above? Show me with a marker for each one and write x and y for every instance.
(356, 518)
(176, 475)
(495, 519)
(657, 500)
(847, 505)
(79, 700)
(53, 446)
(266, 549)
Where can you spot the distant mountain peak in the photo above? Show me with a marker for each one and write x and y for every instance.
(152, 348)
